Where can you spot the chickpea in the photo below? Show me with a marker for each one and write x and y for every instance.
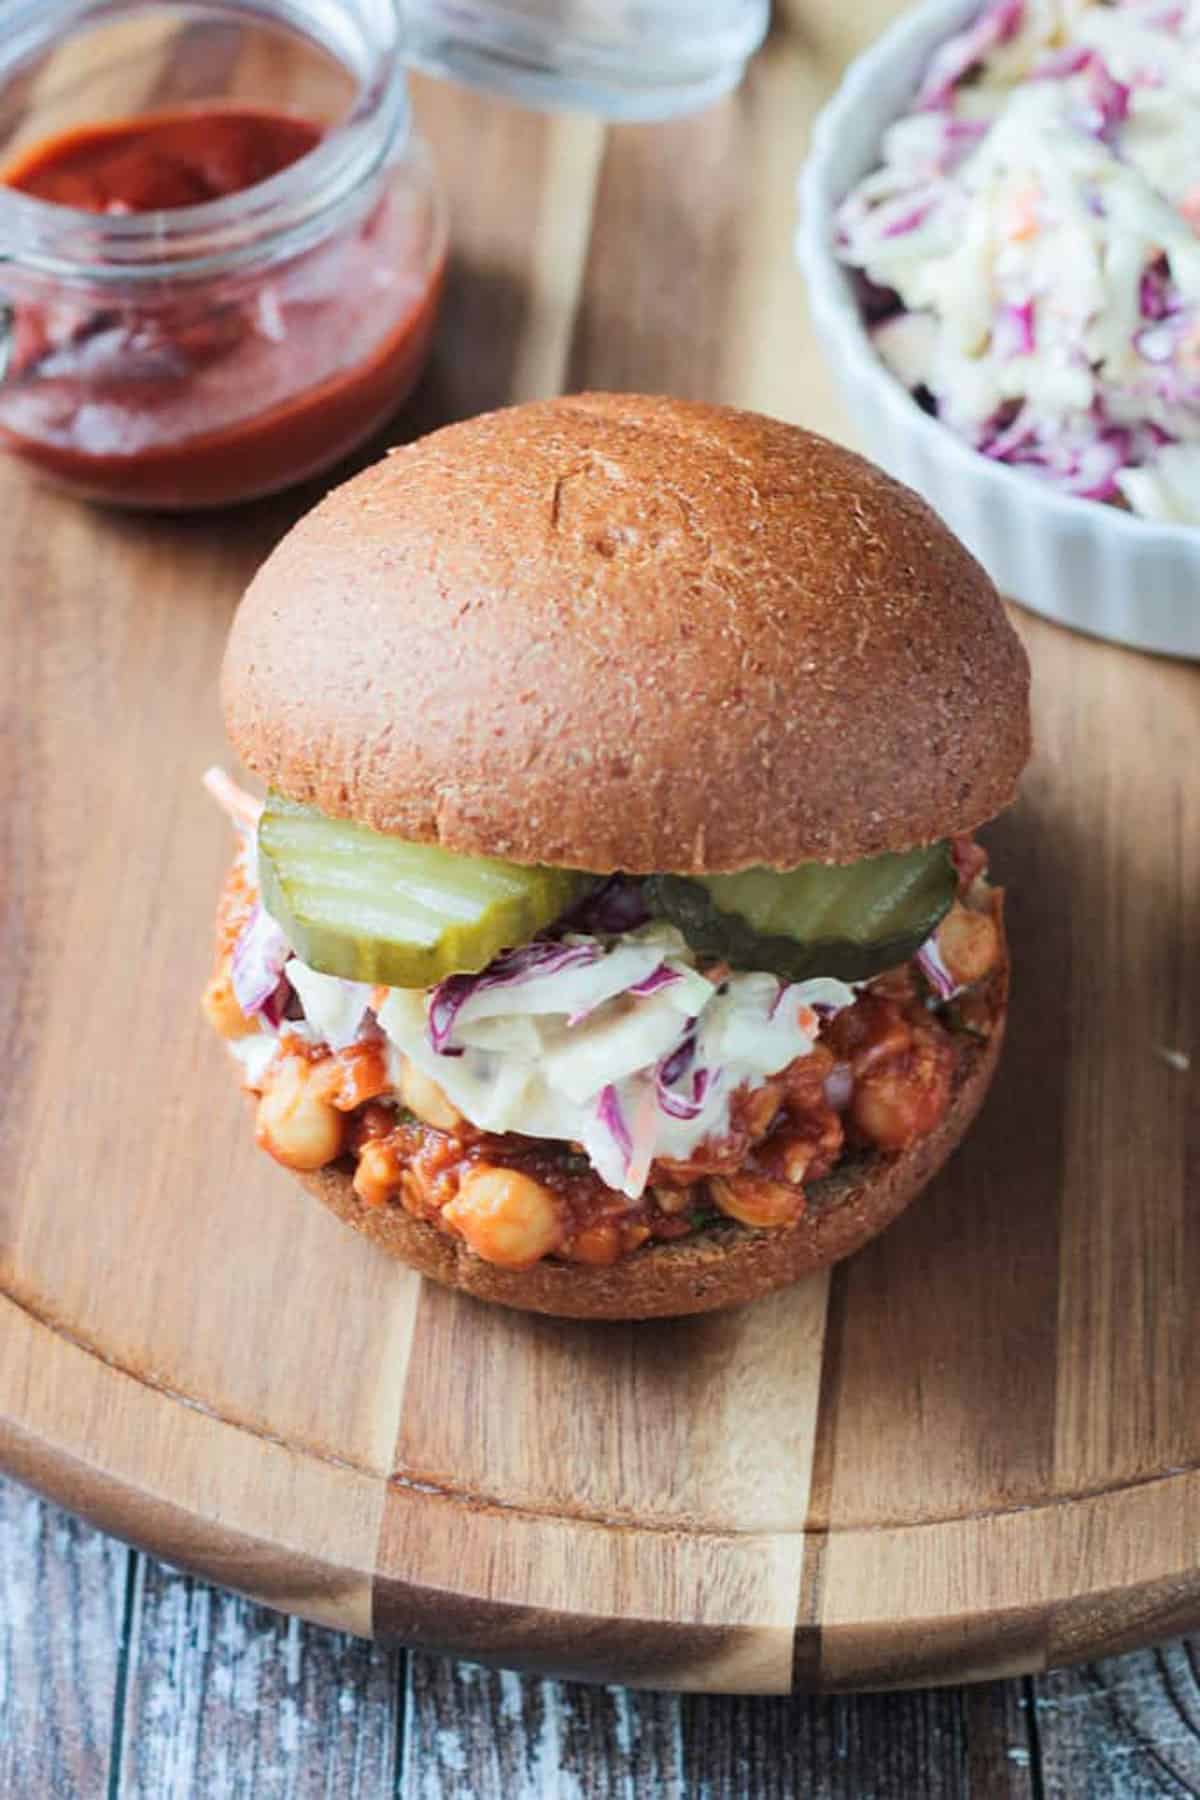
(423, 1097)
(751, 1201)
(899, 1102)
(293, 1124)
(968, 943)
(221, 1009)
(506, 1217)
(415, 1200)
(597, 1244)
(378, 1174)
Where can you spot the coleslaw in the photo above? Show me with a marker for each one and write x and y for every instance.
(1029, 248)
(619, 1045)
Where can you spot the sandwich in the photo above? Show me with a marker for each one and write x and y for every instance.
(613, 940)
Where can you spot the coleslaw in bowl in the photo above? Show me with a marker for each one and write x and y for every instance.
(1004, 273)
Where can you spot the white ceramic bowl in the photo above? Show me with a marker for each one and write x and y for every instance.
(1092, 566)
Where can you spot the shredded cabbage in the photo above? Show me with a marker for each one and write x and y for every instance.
(1036, 222)
(257, 965)
(599, 1048)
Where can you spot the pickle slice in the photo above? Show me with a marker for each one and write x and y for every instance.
(850, 921)
(371, 907)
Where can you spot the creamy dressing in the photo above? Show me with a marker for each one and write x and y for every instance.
(575, 1056)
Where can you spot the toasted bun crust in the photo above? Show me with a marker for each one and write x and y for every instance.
(615, 632)
(723, 1266)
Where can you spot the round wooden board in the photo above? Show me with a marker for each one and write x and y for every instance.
(973, 1450)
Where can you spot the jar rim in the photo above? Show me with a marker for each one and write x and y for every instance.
(276, 217)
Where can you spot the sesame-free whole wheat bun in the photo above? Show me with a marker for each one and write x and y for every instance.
(638, 636)
(612, 632)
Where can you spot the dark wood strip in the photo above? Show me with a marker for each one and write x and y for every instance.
(226, 1698)
(831, 1748)
(62, 1592)
(949, 1334)
(1001, 1761)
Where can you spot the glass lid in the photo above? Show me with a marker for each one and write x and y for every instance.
(626, 59)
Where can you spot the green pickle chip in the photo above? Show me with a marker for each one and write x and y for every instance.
(849, 921)
(371, 907)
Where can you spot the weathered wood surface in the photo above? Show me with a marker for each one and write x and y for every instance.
(122, 1679)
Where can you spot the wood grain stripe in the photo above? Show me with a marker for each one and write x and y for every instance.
(657, 320)
(613, 1603)
(1129, 1366)
(986, 1596)
(100, 77)
(947, 1325)
(681, 1451)
(571, 167)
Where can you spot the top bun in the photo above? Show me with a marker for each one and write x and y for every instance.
(613, 632)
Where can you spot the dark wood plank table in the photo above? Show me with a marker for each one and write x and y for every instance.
(122, 1678)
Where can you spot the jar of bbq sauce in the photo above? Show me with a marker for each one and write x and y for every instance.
(221, 241)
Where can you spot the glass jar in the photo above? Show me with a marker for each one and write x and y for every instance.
(627, 59)
(209, 352)
(213, 352)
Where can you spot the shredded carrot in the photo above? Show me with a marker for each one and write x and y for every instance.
(1023, 219)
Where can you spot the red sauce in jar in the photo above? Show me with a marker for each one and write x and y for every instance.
(202, 393)
(163, 160)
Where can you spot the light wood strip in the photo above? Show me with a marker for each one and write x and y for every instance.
(571, 166)
(646, 1608)
(654, 311)
(705, 1426)
(703, 1422)
(769, 359)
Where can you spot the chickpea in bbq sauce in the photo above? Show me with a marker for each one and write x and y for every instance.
(217, 374)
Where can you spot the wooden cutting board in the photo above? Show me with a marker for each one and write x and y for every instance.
(973, 1450)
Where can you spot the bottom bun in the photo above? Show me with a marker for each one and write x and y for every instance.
(724, 1265)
